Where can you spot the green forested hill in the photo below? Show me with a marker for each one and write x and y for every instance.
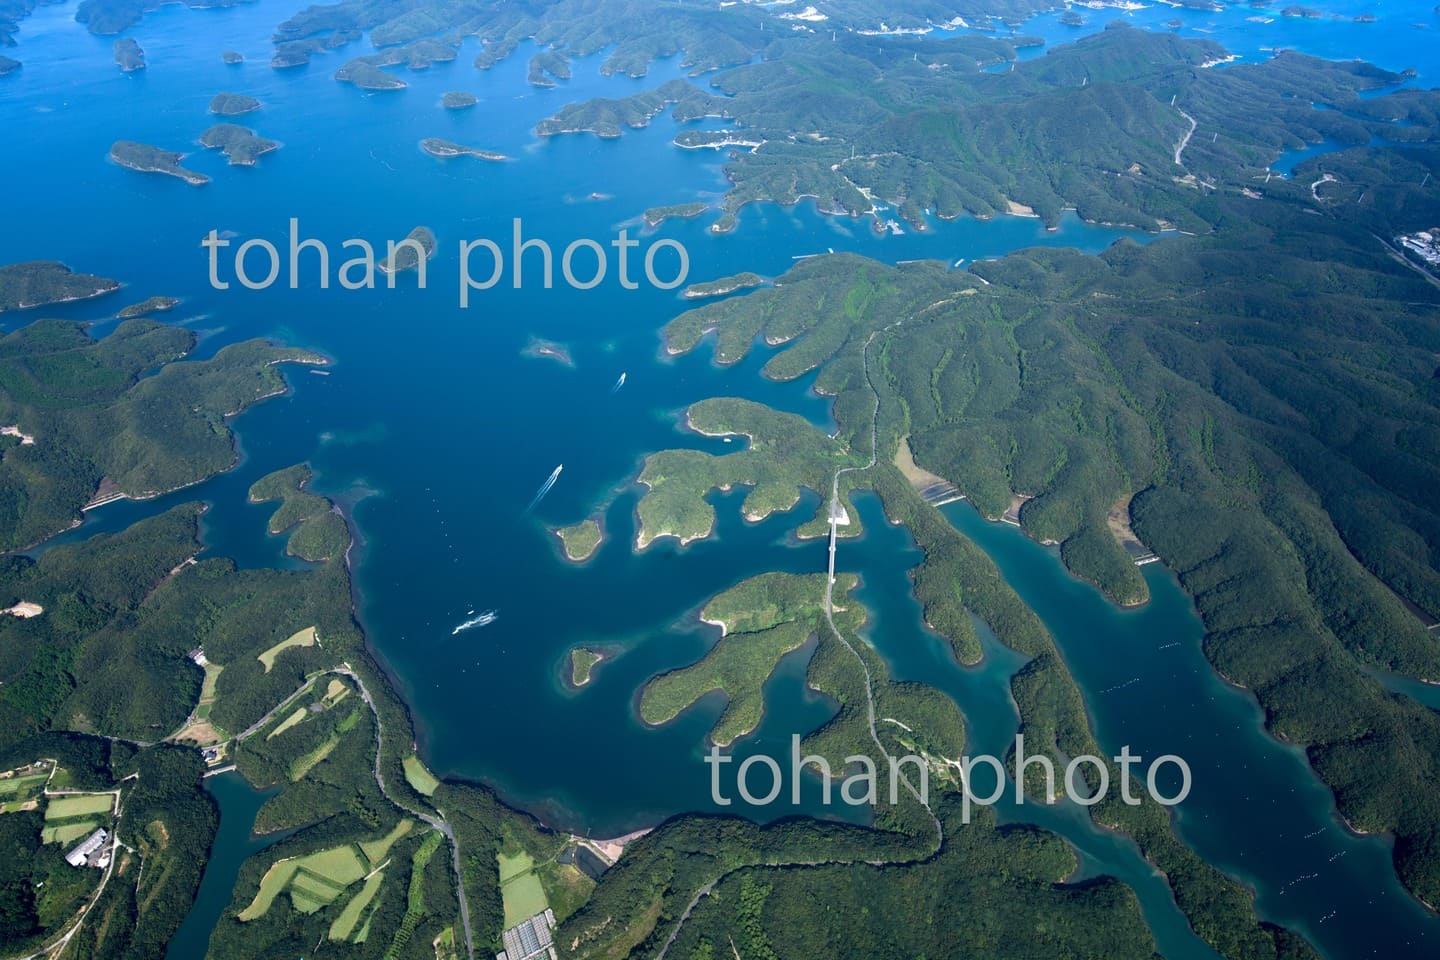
(1267, 397)
(119, 409)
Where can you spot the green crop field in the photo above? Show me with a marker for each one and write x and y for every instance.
(304, 638)
(79, 805)
(271, 884)
(288, 722)
(513, 865)
(341, 928)
(524, 897)
(418, 777)
(66, 832)
(21, 786)
(315, 880)
(375, 850)
(338, 864)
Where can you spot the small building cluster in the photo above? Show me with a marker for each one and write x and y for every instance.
(1425, 245)
(91, 852)
(530, 939)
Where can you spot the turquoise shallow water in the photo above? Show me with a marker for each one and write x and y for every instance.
(436, 432)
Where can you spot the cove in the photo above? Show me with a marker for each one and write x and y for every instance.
(1256, 810)
(234, 843)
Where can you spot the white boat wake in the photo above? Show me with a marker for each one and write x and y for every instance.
(484, 619)
(618, 384)
(545, 488)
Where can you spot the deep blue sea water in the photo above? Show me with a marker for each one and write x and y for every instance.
(435, 432)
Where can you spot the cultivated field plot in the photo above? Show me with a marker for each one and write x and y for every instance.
(314, 881)
(345, 923)
(304, 638)
(375, 850)
(79, 805)
(418, 777)
(65, 832)
(520, 888)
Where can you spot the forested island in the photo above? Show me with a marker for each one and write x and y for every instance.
(39, 283)
(406, 257)
(458, 100)
(148, 306)
(583, 662)
(148, 159)
(580, 540)
(437, 147)
(233, 104)
(128, 55)
(240, 144)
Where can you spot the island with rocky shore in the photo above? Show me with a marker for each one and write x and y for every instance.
(405, 257)
(580, 540)
(148, 159)
(241, 144)
(583, 662)
(145, 307)
(233, 104)
(445, 149)
(128, 55)
(39, 283)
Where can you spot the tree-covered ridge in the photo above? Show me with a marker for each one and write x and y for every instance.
(762, 619)
(39, 283)
(1126, 126)
(785, 455)
(319, 531)
(1266, 397)
(636, 32)
(120, 409)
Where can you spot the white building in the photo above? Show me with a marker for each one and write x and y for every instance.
(88, 851)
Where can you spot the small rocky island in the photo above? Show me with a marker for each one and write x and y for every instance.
(445, 148)
(232, 57)
(8, 66)
(152, 305)
(581, 540)
(583, 662)
(405, 257)
(240, 144)
(233, 104)
(458, 100)
(128, 55)
(148, 159)
(541, 349)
